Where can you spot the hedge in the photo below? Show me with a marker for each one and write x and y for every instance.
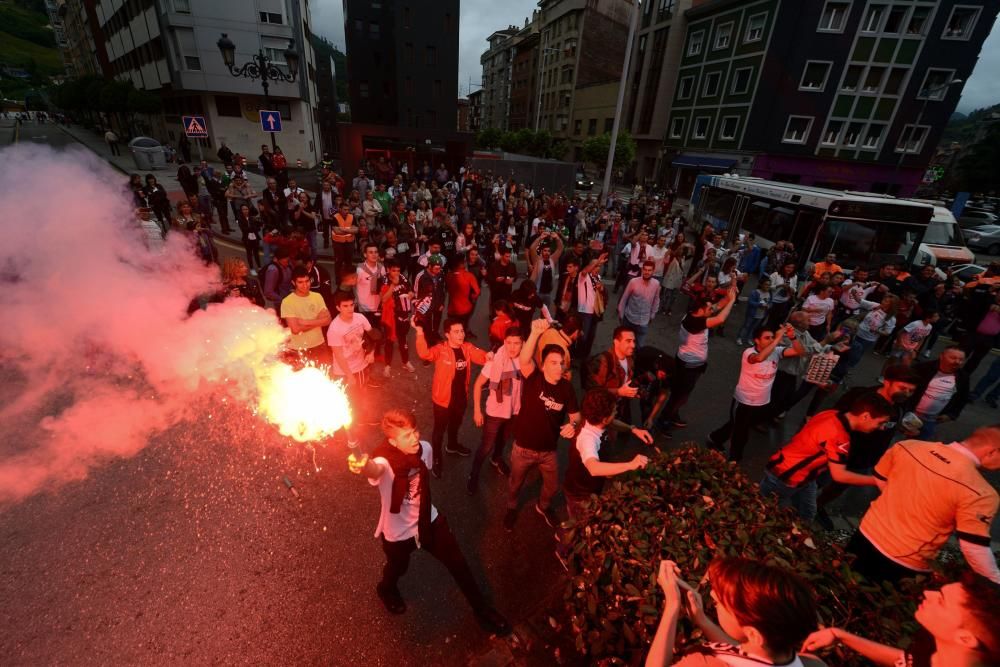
(691, 505)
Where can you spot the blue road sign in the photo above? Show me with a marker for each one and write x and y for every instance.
(270, 121)
(195, 127)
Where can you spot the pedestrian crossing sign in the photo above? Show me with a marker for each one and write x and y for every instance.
(195, 127)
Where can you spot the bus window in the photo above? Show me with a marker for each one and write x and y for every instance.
(858, 243)
(766, 223)
(717, 208)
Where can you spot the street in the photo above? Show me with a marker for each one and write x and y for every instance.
(195, 551)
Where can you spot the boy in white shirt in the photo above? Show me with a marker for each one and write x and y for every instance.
(910, 339)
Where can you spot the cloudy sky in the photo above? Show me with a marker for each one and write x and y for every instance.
(480, 18)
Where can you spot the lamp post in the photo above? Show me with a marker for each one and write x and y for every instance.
(260, 67)
(633, 26)
(927, 92)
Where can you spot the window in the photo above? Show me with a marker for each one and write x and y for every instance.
(359, 25)
(566, 76)
(711, 87)
(832, 134)
(609, 124)
(755, 28)
(431, 55)
(741, 81)
(186, 48)
(373, 29)
(853, 134)
(961, 22)
(569, 48)
(911, 139)
(577, 126)
(873, 80)
(894, 82)
(814, 76)
(894, 23)
(182, 6)
(274, 49)
(723, 36)
(701, 127)
(592, 126)
(834, 16)
(686, 88)
(447, 23)
(271, 17)
(852, 78)
(694, 42)
(406, 17)
(727, 130)
(676, 128)
(228, 105)
(918, 21)
(873, 19)
(664, 10)
(363, 89)
(283, 108)
(437, 89)
(797, 129)
(873, 136)
(935, 86)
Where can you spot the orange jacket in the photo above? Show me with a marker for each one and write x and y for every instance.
(444, 367)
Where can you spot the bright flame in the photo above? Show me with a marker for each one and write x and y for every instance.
(304, 404)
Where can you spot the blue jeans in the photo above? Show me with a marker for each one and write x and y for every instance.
(801, 498)
(588, 329)
(859, 348)
(928, 429)
(991, 379)
(492, 445)
(640, 331)
(750, 325)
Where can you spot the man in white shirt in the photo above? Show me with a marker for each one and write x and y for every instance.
(752, 397)
(640, 301)
(371, 273)
(942, 392)
(399, 468)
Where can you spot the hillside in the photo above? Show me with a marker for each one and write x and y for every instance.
(962, 128)
(26, 40)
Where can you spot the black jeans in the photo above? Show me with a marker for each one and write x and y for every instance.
(741, 418)
(683, 384)
(253, 253)
(449, 418)
(343, 256)
(873, 565)
(492, 445)
(402, 330)
(442, 546)
(784, 387)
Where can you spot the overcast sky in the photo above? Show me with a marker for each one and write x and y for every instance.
(480, 18)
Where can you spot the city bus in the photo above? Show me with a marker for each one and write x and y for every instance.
(863, 229)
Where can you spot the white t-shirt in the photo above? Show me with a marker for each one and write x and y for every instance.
(913, 335)
(368, 302)
(349, 337)
(510, 401)
(822, 306)
(693, 347)
(588, 442)
(656, 253)
(939, 391)
(402, 526)
(756, 380)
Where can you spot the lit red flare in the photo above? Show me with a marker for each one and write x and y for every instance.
(304, 404)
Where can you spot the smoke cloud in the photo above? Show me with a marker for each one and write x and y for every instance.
(97, 353)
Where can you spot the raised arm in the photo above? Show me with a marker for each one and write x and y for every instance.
(527, 358)
(720, 317)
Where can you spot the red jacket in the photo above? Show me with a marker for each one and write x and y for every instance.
(462, 290)
(444, 367)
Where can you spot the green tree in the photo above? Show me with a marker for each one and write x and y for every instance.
(489, 138)
(977, 170)
(595, 150)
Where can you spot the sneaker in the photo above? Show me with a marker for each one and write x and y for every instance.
(824, 520)
(392, 600)
(500, 466)
(408, 367)
(547, 514)
(493, 622)
(387, 372)
(739, 341)
(436, 470)
(372, 382)
(253, 272)
(881, 379)
(926, 354)
(459, 450)
(712, 444)
(508, 520)
(472, 486)
(677, 422)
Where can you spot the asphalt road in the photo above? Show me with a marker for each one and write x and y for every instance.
(194, 550)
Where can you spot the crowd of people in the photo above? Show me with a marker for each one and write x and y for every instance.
(413, 255)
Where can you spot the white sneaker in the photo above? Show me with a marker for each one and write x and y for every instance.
(926, 354)
(739, 341)
(387, 372)
(253, 272)
(409, 367)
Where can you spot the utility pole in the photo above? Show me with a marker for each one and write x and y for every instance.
(633, 26)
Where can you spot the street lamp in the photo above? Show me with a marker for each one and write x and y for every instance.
(927, 92)
(260, 67)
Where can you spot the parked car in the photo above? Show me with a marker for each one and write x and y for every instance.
(985, 238)
(966, 272)
(582, 182)
(975, 218)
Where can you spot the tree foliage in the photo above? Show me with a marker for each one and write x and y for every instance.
(690, 506)
(94, 93)
(524, 141)
(977, 169)
(595, 150)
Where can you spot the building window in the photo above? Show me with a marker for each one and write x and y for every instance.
(363, 89)
(894, 22)
(894, 82)
(873, 19)
(431, 56)
(686, 88)
(566, 76)
(609, 124)
(723, 36)
(438, 87)
(852, 78)
(676, 128)
(406, 17)
(701, 127)
(711, 86)
(373, 30)
(228, 106)
(447, 23)
(741, 81)
(918, 21)
(755, 28)
(873, 80)
(182, 6)
(592, 126)
(727, 130)
(271, 17)
(935, 86)
(186, 48)
(911, 139)
(577, 126)
(834, 16)
(853, 134)
(695, 41)
(961, 22)
(814, 76)
(797, 129)
(832, 134)
(873, 136)
(284, 109)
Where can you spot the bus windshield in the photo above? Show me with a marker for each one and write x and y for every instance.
(943, 232)
(865, 242)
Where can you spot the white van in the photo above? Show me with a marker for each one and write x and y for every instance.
(943, 244)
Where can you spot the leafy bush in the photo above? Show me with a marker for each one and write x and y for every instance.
(691, 505)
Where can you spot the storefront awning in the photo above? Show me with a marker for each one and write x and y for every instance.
(701, 162)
